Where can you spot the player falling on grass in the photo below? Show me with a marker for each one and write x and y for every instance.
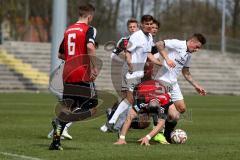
(151, 97)
(79, 96)
(118, 55)
(177, 59)
(138, 50)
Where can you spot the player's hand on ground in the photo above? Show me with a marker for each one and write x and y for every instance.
(171, 63)
(120, 142)
(201, 90)
(144, 141)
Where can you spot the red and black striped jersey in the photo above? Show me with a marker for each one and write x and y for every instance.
(121, 45)
(74, 48)
(149, 90)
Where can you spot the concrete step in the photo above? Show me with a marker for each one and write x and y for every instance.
(30, 51)
(216, 72)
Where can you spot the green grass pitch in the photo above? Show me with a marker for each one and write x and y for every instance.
(212, 124)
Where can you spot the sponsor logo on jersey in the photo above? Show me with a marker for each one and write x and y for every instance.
(180, 61)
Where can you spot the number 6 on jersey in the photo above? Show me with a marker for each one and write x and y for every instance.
(71, 44)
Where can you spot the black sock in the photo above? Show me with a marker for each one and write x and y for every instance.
(58, 129)
(169, 127)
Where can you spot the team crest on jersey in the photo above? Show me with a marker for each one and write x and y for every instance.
(162, 110)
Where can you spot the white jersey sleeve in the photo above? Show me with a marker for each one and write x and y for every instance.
(133, 42)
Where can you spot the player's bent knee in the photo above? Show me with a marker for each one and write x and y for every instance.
(93, 111)
(174, 116)
(130, 97)
(182, 109)
(130, 100)
(173, 113)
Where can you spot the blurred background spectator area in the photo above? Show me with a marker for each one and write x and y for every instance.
(30, 20)
(27, 27)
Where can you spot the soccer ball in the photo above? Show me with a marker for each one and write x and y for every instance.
(178, 136)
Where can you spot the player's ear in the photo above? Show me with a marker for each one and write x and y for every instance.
(90, 18)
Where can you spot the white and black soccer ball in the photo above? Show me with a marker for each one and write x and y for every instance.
(178, 136)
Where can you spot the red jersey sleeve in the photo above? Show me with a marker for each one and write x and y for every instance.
(91, 35)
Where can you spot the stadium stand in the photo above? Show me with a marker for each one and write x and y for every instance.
(25, 67)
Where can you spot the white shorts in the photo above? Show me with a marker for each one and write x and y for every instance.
(176, 93)
(132, 80)
(132, 83)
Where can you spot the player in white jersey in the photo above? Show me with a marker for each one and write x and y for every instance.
(177, 59)
(138, 50)
(118, 56)
(148, 69)
(119, 52)
(132, 25)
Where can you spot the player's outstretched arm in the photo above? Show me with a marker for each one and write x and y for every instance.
(187, 75)
(93, 60)
(129, 61)
(131, 115)
(145, 140)
(161, 49)
(154, 60)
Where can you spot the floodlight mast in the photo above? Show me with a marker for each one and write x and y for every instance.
(58, 27)
(223, 39)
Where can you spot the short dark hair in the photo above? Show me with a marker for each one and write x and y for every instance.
(156, 22)
(199, 37)
(132, 20)
(86, 9)
(146, 18)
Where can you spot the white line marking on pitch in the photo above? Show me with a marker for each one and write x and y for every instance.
(27, 104)
(19, 156)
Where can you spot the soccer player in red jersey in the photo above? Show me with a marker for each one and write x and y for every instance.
(151, 97)
(78, 51)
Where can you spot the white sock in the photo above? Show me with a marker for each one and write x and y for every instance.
(68, 125)
(121, 108)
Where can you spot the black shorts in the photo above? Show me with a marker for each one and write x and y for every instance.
(83, 95)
